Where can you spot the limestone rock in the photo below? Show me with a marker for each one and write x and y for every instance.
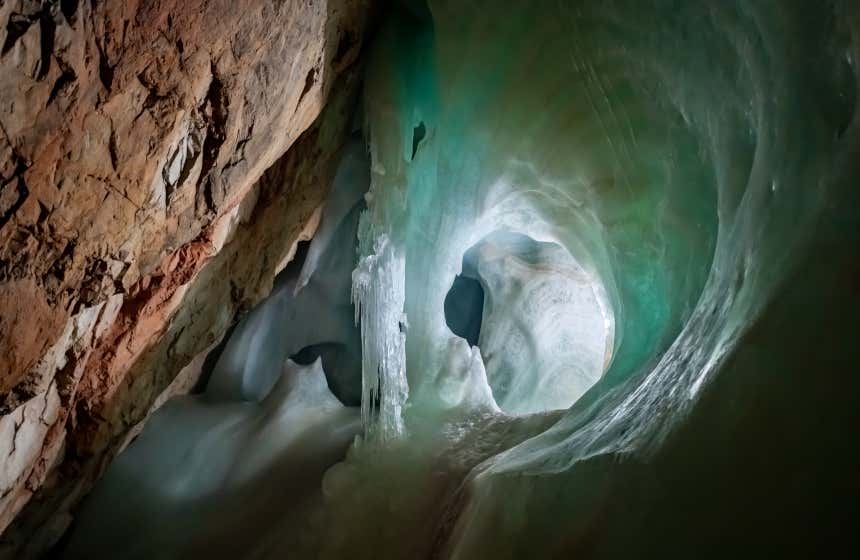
(135, 217)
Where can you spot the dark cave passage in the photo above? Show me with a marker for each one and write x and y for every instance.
(464, 307)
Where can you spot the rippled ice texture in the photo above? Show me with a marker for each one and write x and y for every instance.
(696, 159)
(536, 357)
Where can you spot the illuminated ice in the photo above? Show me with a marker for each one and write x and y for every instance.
(543, 335)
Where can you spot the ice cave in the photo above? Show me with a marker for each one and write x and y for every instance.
(429, 279)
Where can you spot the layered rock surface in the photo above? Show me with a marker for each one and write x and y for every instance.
(136, 220)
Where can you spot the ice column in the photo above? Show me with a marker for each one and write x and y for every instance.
(378, 291)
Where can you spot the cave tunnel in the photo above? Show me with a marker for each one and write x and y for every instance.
(429, 279)
(464, 308)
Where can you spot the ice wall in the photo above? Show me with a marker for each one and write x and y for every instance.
(559, 143)
(685, 155)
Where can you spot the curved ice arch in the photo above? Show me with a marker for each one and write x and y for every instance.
(544, 336)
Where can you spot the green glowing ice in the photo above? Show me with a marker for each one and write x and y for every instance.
(682, 152)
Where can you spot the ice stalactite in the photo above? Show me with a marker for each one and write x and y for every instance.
(378, 293)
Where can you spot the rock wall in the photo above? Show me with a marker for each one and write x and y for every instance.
(136, 220)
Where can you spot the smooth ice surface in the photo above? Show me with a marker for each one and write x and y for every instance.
(311, 309)
(347, 191)
(199, 467)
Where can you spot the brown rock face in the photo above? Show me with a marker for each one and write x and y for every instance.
(135, 217)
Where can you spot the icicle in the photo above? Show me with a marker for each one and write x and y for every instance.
(378, 291)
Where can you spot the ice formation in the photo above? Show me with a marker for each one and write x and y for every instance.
(199, 467)
(545, 337)
(250, 451)
(634, 185)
